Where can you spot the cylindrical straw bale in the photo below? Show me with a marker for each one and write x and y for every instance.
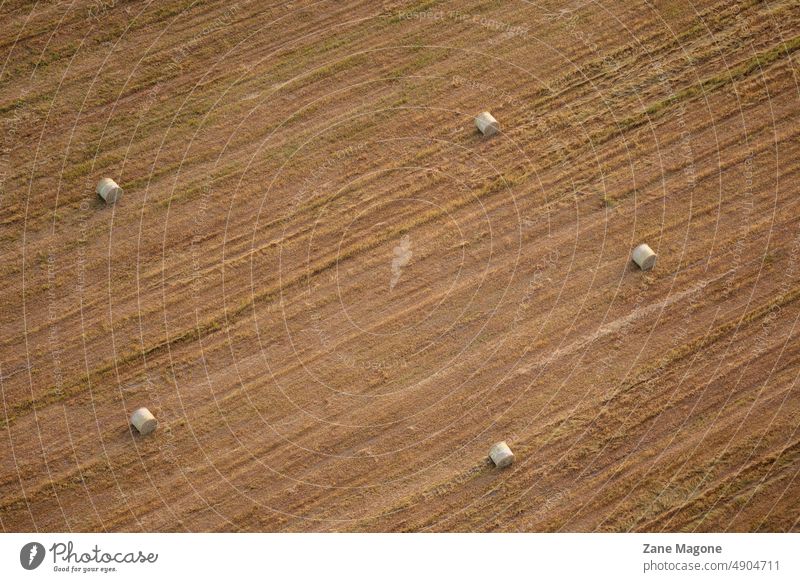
(644, 256)
(109, 190)
(487, 124)
(144, 421)
(501, 454)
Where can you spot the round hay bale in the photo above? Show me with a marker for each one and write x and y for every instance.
(501, 455)
(644, 256)
(144, 421)
(109, 190)
(487, 124)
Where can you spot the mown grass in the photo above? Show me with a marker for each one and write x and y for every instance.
(489, 188)
(702, 88)
(270, 294)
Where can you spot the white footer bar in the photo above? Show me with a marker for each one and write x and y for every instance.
(379, 557)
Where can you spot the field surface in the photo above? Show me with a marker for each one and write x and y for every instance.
(335, 295)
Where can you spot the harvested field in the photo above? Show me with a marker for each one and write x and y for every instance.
(335, 295)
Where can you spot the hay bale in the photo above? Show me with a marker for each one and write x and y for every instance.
(487, 124)
(501, 455)
(109, 190)
(144, 421)
(644, 256)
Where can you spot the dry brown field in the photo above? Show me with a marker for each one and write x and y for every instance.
(336, 295)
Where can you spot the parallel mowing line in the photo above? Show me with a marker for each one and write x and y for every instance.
(176, 339)
(711, 84)
(704, 498)
(227, 396)
(547, 99)
(216, 323)
(247, 254)
(64, 481)
(673, 357)
(708, 85)
(616, 199)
